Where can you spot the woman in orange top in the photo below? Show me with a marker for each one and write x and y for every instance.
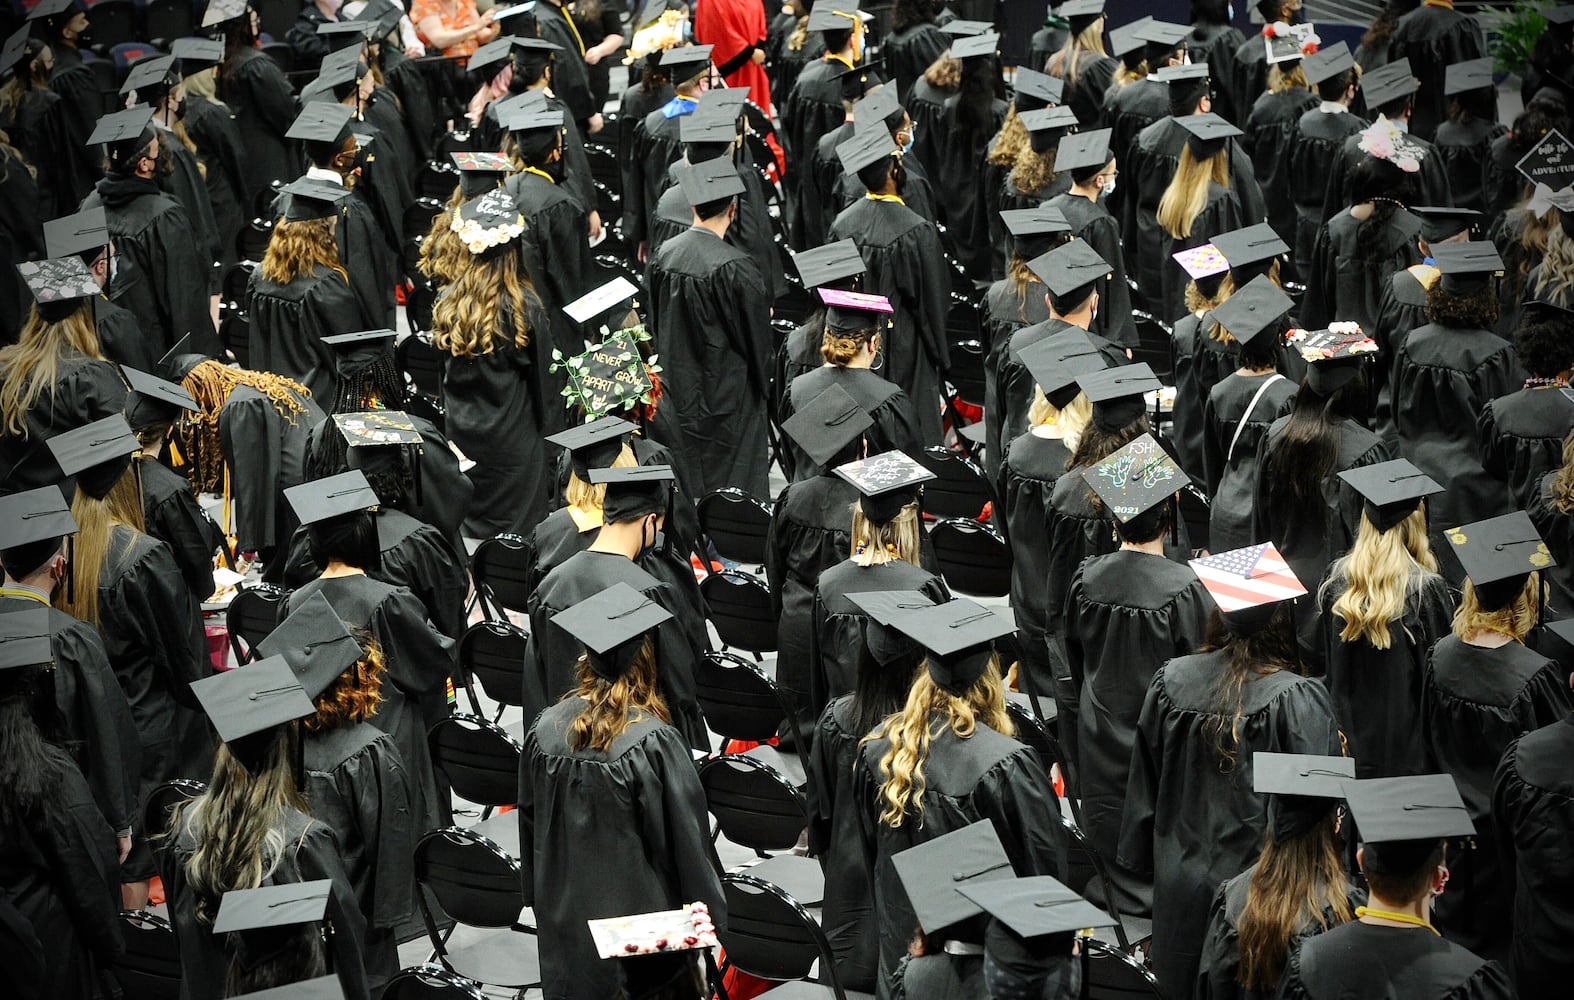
(454, 26)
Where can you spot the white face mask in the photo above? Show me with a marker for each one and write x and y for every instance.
(1109, 187)
(912, 137)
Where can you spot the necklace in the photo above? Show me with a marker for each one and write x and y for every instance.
(1550, 382)
(1398, 918)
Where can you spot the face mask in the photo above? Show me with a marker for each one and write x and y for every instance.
(179, 110)
(1109, 187)
(644, 546)
(912, 137)
(114, 268)
(86, 38)
(1229, 12)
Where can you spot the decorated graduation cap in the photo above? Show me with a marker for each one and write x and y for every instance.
(153, 73)
(1463, 77)
(1302, 788)
(1036, 90)
(310, 198)
(934, 872)
(865, 148)
(1124, 40)
(601, 300)
(1046, 126)
(1288, 43)
(1402, 821)
(854, 312)
(223, 11)
(24, 639)
(322, 122)
(1258, 307)
(97, 454)
(1388, 84)
(635, 492)
(1327, 62)
(1334, 356)
(1391, 491)
(958, 638)
(1057, 361)
(1248, 584)
(480, 172)
(1206, 134)
(1070, 272)
(685, 62)
(709, 182)
(829, 426)
(975, 46)
(1550, 162)
(125, 135)
(32, 526)
(1084, 154)
(1251, 251)
(252, 701)
(335, 496)
(886, 483)
(1498, 555)
(59, 285)
(611, 376)
(1187, 85)
(660, 953)
(966, 28)
(1442, 222)
(834, 264)
(1031, 908)
(595, 445)
(489, 221)
(875, 109)
(1136, 478)
(315, 643)
(834, 15)
(154, 401)
(885, 643)
(1468, 267)
(1081, 14)
(1035, 231)
(85, 233)
(612, 625)
(1202, 262)
(197, 54)
(382, 441)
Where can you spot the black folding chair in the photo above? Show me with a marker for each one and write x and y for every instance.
(757, 803)
(959, 488)
(1111, 974)
(479, 760)
(739, 605)
(149, 966)
(251, 617)
(430, 982)
(492, 653)
(166, 20)
(736, 523)
(770, 935)
(738, 700)
(972, 557)
(475, 882)
(162, 800)
(501, 575)
(113, 22)
(1154, 345)
(422, 364)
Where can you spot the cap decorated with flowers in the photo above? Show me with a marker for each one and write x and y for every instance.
(488, 221)
(1387, 141)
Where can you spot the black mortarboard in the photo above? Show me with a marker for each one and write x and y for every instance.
(490, 57)
(1468, 267)
(1329, 61)
(252, 699)
(933, 872)
(829, 264)
(321, 988)
(153, 400)
(702, 128)
(61, 279)
(97, 454)
(35, 516)
(887, 644)
(1402, 820)
(316, 644)
(15, 45)
(1136, 478)
(854, 82)
(886, 483)
(1472, 74)
(1124, 39)
(157, 72)
(1441, 222)
(853, 312)
(25, 639)
(179, 360)
(1562, 14)
(966, 28)
(124, 134)
(1333, 357)
(1388, 83)
(865, 147)
(1118, 395)
(1084, 153)
(49, 8)
(1080, 14)
(685, 62)
(1208, 133)
(634, 492)
(1165, 34)
(834, 15)
(1184, 75)
(975, 46)
(336, 78)
(1258, 307)
(78, 233)
(280, 905)
(1550, 162)
(322, 122)
(311, 198)
(321, 499)
(1040, 89)
(382, 440)
(1035, 231)
(1046, 126)
(1302, 789)
(874, 109)
(595, 445)
(1056, 362)
(1036, 906)
(349, 28)
(711, 181)
(197, 54)
(1251, 251)
(1498, 555)
(1392, 490)
(828, 426)
(355, 352)
(528, 119)
(1069, 272)
(220, 11)
(959, 638)
(385, 14)
(612, 625)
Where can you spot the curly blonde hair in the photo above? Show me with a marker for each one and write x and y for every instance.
(1379, 573)
(1514, 620)
(1033, 172)
(465, 319)
(443, 253)
(1011, 140)
(298, 247)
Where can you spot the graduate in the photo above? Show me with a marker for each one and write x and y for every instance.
(1132, 108)
(1032, 91)
(1244, 76)
(652, 91)
(917, 190)
(1389, 93)
(1319, 138)
(832, 267)
(569, 530)
(1273, 123)
(926, 101)
(1296, 889)
(1382, 606)
(1436, 39)
(914, 43)
(819, 172)
(529, 73)
(1035, 178)
(633, 511)
(257, 93)
(1088, 159)
(709, 316)
(1081, 62)
(1202, 200)
(354, 779)
(1192, 818)
(1549, 511)
(1464, 139)
(972, 117)
(1405, 825)
(209, 127)
(571, 76)
(1128, 612)
(1521, 433)
(815, 104)
(654, 146)
(610, 739)
(42, 125)
(790, 46)
(1482, 690)
(1213, 39)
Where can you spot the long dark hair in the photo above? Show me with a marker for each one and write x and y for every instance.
(1382, 29)
(1256, 654)
(28, 764)
(881, 690)
(911, 13)
(1388, 189)
(975, 99)
(1097, 444)
(1301, 459)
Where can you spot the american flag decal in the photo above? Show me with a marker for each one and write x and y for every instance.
(1246, 578)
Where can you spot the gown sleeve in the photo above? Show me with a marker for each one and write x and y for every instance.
(181, 524)
(777, 544)
(172, 634)
(1218, 971)
(1321, 300)
(82, 849)
(673, 822)
(420, 657)
(1135, 853)
(1115, 320)
(428, 566)
(377, 787)
(1027, 812)
(98, 718)
(319, 858)
(819, 766)
(185, 277)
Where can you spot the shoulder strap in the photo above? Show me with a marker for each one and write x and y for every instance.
(1270, 380)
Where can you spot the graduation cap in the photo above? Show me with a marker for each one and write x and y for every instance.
(612, 626)
(252, 700)
(933, 873)
(271, 906)
(97, 454)
(958, 638)
(1291, 45)
(601, 299)
(865, 148)
(595, 445)
(608, 377)
(473, 162)
(1207, 134)
(60, 279)
(1258, 307)
(535, 118)
(685, 62)
(1462, 77)
(1057, 361)
(1084, 154)
(833, 263)
(1403, 820)
(125, 135)
(710, 181)
(1303, 789)
(322, 122)
(316, 644)
(634, 492)
(965, 28)
(382, 441)
(1035, 907)
(834, 15)
(1442, 222)
(1550, 162)
(852, 312)
(15, 45)
(76, 234)
(25, 639)
(1327, 62)
(1069, 272)
(723, 101)
(383, 13)
(875, 108)
(1035, 230)
(1161, 35)
(1248, 584)
(1468, 267)
(1498, 555)
(1201, 262)
(1563, 14)
(828, 426)
(1392, 490)
(1257, 245)
(342, 33)
(1388, 83)
(886, 483)
(335, 496)
(179, 360)
(1081, 14)
(1136, 478)
(154, 401)
(883, 607)
(197, 54)
(854, 82)
(31, 527)
(311, 198)
(336, 79)
(1333, 356)
(702, 128)
(321, 988)
(1040, 89)
(220, 11)
(1046, 126)
(975, 46)
(152, 72)
(488, 221)
(491, 55)
(1124, 39)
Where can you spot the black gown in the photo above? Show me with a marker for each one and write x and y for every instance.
(964, 210)
(173, 516)
(848, 914)
(1401, 309)
(39, 129)
(918, 192)
(1475, 701)
(1362, 960)
(1319, 142)
(812, 109)
(1078, 529)
(1192, 388)
(710, 318)
(1556, 528)
(1225, 212)
(186, 185)
(1215, 44)
(1127, 112)
(1189, 823)
(836, 637)
(289, 322)
(555, 234)
(1006, 309)
(819, 175)
(1128, 614)
(909, 52)
(925, 105)
(1247, 77)
(1432, 38)
(78, 88)
(1029, 470)
(1377, 692)
(1092, 222)
(1014, 391)
(1084, 90)
(84, 390)
(570, 74)
(1532, 797)
(1431, 182)
(1271, 140)
(1344, 279)
(987, 776)
(1230, 435)
(644, 846)
(21, 238)
(751, 231)
(120, 337)
(265, 451)
(219, 149)
(1521, 438)
(1465, 147)
(263, 105)
(895, 421)
(653, 147)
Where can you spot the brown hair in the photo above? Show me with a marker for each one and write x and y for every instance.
(1011, 140)
(1280, 79)
(1294, 885)
(612, 706)
(354, 695)
(899, 539)
(1033, 172)
(839, 349)
(490, 288)
(297, 247)
(1405, 887)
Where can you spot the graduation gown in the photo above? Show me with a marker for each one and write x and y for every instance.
(1502, 185)
(1128, 614)
(1475, 701)
(555, 233)
(751, 231)
(1319, 142)
(964, 210)
(254, 88)
(172, 515)
(357, 784)
(84, 390)
(311, 852)
(1006, 309)
(1344, 280)
(58, 871)
(654, 147)
(917, 192)
(420, 660)
(711, 322)
(1215, 44)
(1272, 130)
(1247, 77)
(1092, 222)
(266, 453)
(1367, 960)
(1431, 182)
(1085, 88)
(289, 322)
(1377, 692)
(21, 238)
(925, 105)
(813, 108)
(1464, 146)
(909, 52)
(1232, 428)
(644, 846)
(1127, 112)
(1014, 391)
(552, 656)
(798, 354)
(1556, 528)
(1223, 213)
(1401, 309)
(570, 74)
(1029, 471)
(1531, 797)
(39, 129)
(895, 421)
(1432, 38)
(185, 184)
(120, 336)
(1189, 823)
(1218, 975)
(848, 914)
(820, 186)
(219, 150)
(987, 776)
(836, 639)
(1521, 435)
(1192, 388)
(784, 63)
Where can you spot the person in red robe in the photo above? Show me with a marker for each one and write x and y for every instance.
(736, 29)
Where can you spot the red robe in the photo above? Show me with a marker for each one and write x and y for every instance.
(734, 27)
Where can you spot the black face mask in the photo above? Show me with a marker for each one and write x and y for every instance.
(179, 111)
(646, 547)
(86, 38)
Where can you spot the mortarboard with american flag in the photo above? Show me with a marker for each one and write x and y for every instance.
(1248, 577)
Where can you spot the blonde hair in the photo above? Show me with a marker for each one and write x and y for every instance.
(897, 540)
(928, 707)
(1070, 422)
(1379, 573)
(1515, 620)
(1562, 486)
(1280, 79)
(1556, 276)
(1187, 194)
(298, 247)
(591, 496)
(1197, 302)
(1012, 138)
(1033, 172)
(1226, 289)
(32, 364)
(96, 520)
(443, 253)
(201, 83)
(612, 706)
(466, 317)
(1065, 63)
(945, 72)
